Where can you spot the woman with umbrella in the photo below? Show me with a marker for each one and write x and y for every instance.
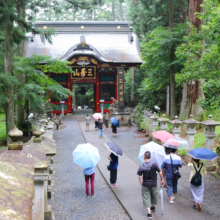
(198, 170)
(115, 124)
(113, 157)
(196, 191)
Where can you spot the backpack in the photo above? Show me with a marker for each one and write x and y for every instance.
(197, 178)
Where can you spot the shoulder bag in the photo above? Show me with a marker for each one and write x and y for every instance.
(176, 173)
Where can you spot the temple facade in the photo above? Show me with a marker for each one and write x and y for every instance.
(99, 53)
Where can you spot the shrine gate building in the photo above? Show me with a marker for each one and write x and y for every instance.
(99, 53)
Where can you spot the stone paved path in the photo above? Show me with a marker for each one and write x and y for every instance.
(129, 139)
(69, 200)
(129, 191)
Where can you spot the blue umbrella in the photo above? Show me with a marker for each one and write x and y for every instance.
(114, 148)
(86, 155)
(115, 122)
(202, 154)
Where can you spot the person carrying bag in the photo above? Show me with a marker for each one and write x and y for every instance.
(196, 182)
(171, 166)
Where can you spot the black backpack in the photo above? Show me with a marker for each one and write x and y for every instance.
(197, 178)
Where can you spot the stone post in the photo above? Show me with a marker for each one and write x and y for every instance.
(62, 108)
(154, 123)
(176, 126)
(191, 131)
(163, 123)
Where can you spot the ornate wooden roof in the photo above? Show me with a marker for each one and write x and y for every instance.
(108, 42)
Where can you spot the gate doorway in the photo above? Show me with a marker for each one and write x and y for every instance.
(83, 96)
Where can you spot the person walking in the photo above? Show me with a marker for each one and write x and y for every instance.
(100, 127)
(90, 175)
(197, 191)
(113, 169)
(147, 175)
(171, 162)
(96, 125)
(167, 150)
(114, 130)
(87, 122)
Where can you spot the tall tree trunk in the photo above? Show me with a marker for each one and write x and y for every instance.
(192, 91)
(132, 84)
(121, 12)
(113, 9)
(20, 108)
(172, 67)
(8, 65)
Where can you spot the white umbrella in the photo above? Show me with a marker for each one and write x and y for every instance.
(156, 150)
(161, 195)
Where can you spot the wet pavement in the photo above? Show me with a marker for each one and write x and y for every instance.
(69, 200)
(123, 202)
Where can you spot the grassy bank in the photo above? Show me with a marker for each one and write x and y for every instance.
(2, 130)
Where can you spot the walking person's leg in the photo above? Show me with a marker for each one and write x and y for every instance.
(100, 132)
(111, 176)
(93, 184)
(170, 189)
(87, 185)
(175, 182)
(153, 194)
(146, 196)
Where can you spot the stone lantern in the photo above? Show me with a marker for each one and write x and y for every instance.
(163, 123)
(191, 130)
(210, 132)
(210, 135)
(154, 123)
(15, 135)
(176, 126)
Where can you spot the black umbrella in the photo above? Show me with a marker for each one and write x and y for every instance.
(114, 148)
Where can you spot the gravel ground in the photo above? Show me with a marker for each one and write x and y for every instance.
(69, 200)
(130, 139)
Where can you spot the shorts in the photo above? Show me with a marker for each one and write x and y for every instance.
(149, 196)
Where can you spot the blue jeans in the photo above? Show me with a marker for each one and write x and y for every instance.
(100, 132)
(171, 186)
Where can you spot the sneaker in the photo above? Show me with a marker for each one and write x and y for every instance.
(149, 216)
(88, 196)
(171, 201)
(153, 209)
(173, 197)
(199, 207)
(194, 206)
(93, 196)
(114, 185)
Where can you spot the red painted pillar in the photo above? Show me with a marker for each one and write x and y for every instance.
(97, 98)
(69, 98)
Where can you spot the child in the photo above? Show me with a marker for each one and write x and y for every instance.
(89, 174)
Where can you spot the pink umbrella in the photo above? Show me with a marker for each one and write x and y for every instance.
(162, 135)
(96, 116)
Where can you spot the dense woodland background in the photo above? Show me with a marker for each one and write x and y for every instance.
(179, 41)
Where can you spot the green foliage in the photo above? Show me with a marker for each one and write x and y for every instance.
(2, 127)
(147, 15)
(138, 115)
(145, 124)
(182, 152)
(156, 54)
(37, 82)
(203, 66)
(84, 10)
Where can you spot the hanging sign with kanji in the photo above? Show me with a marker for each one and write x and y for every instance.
(83, 72)
(121, 101)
